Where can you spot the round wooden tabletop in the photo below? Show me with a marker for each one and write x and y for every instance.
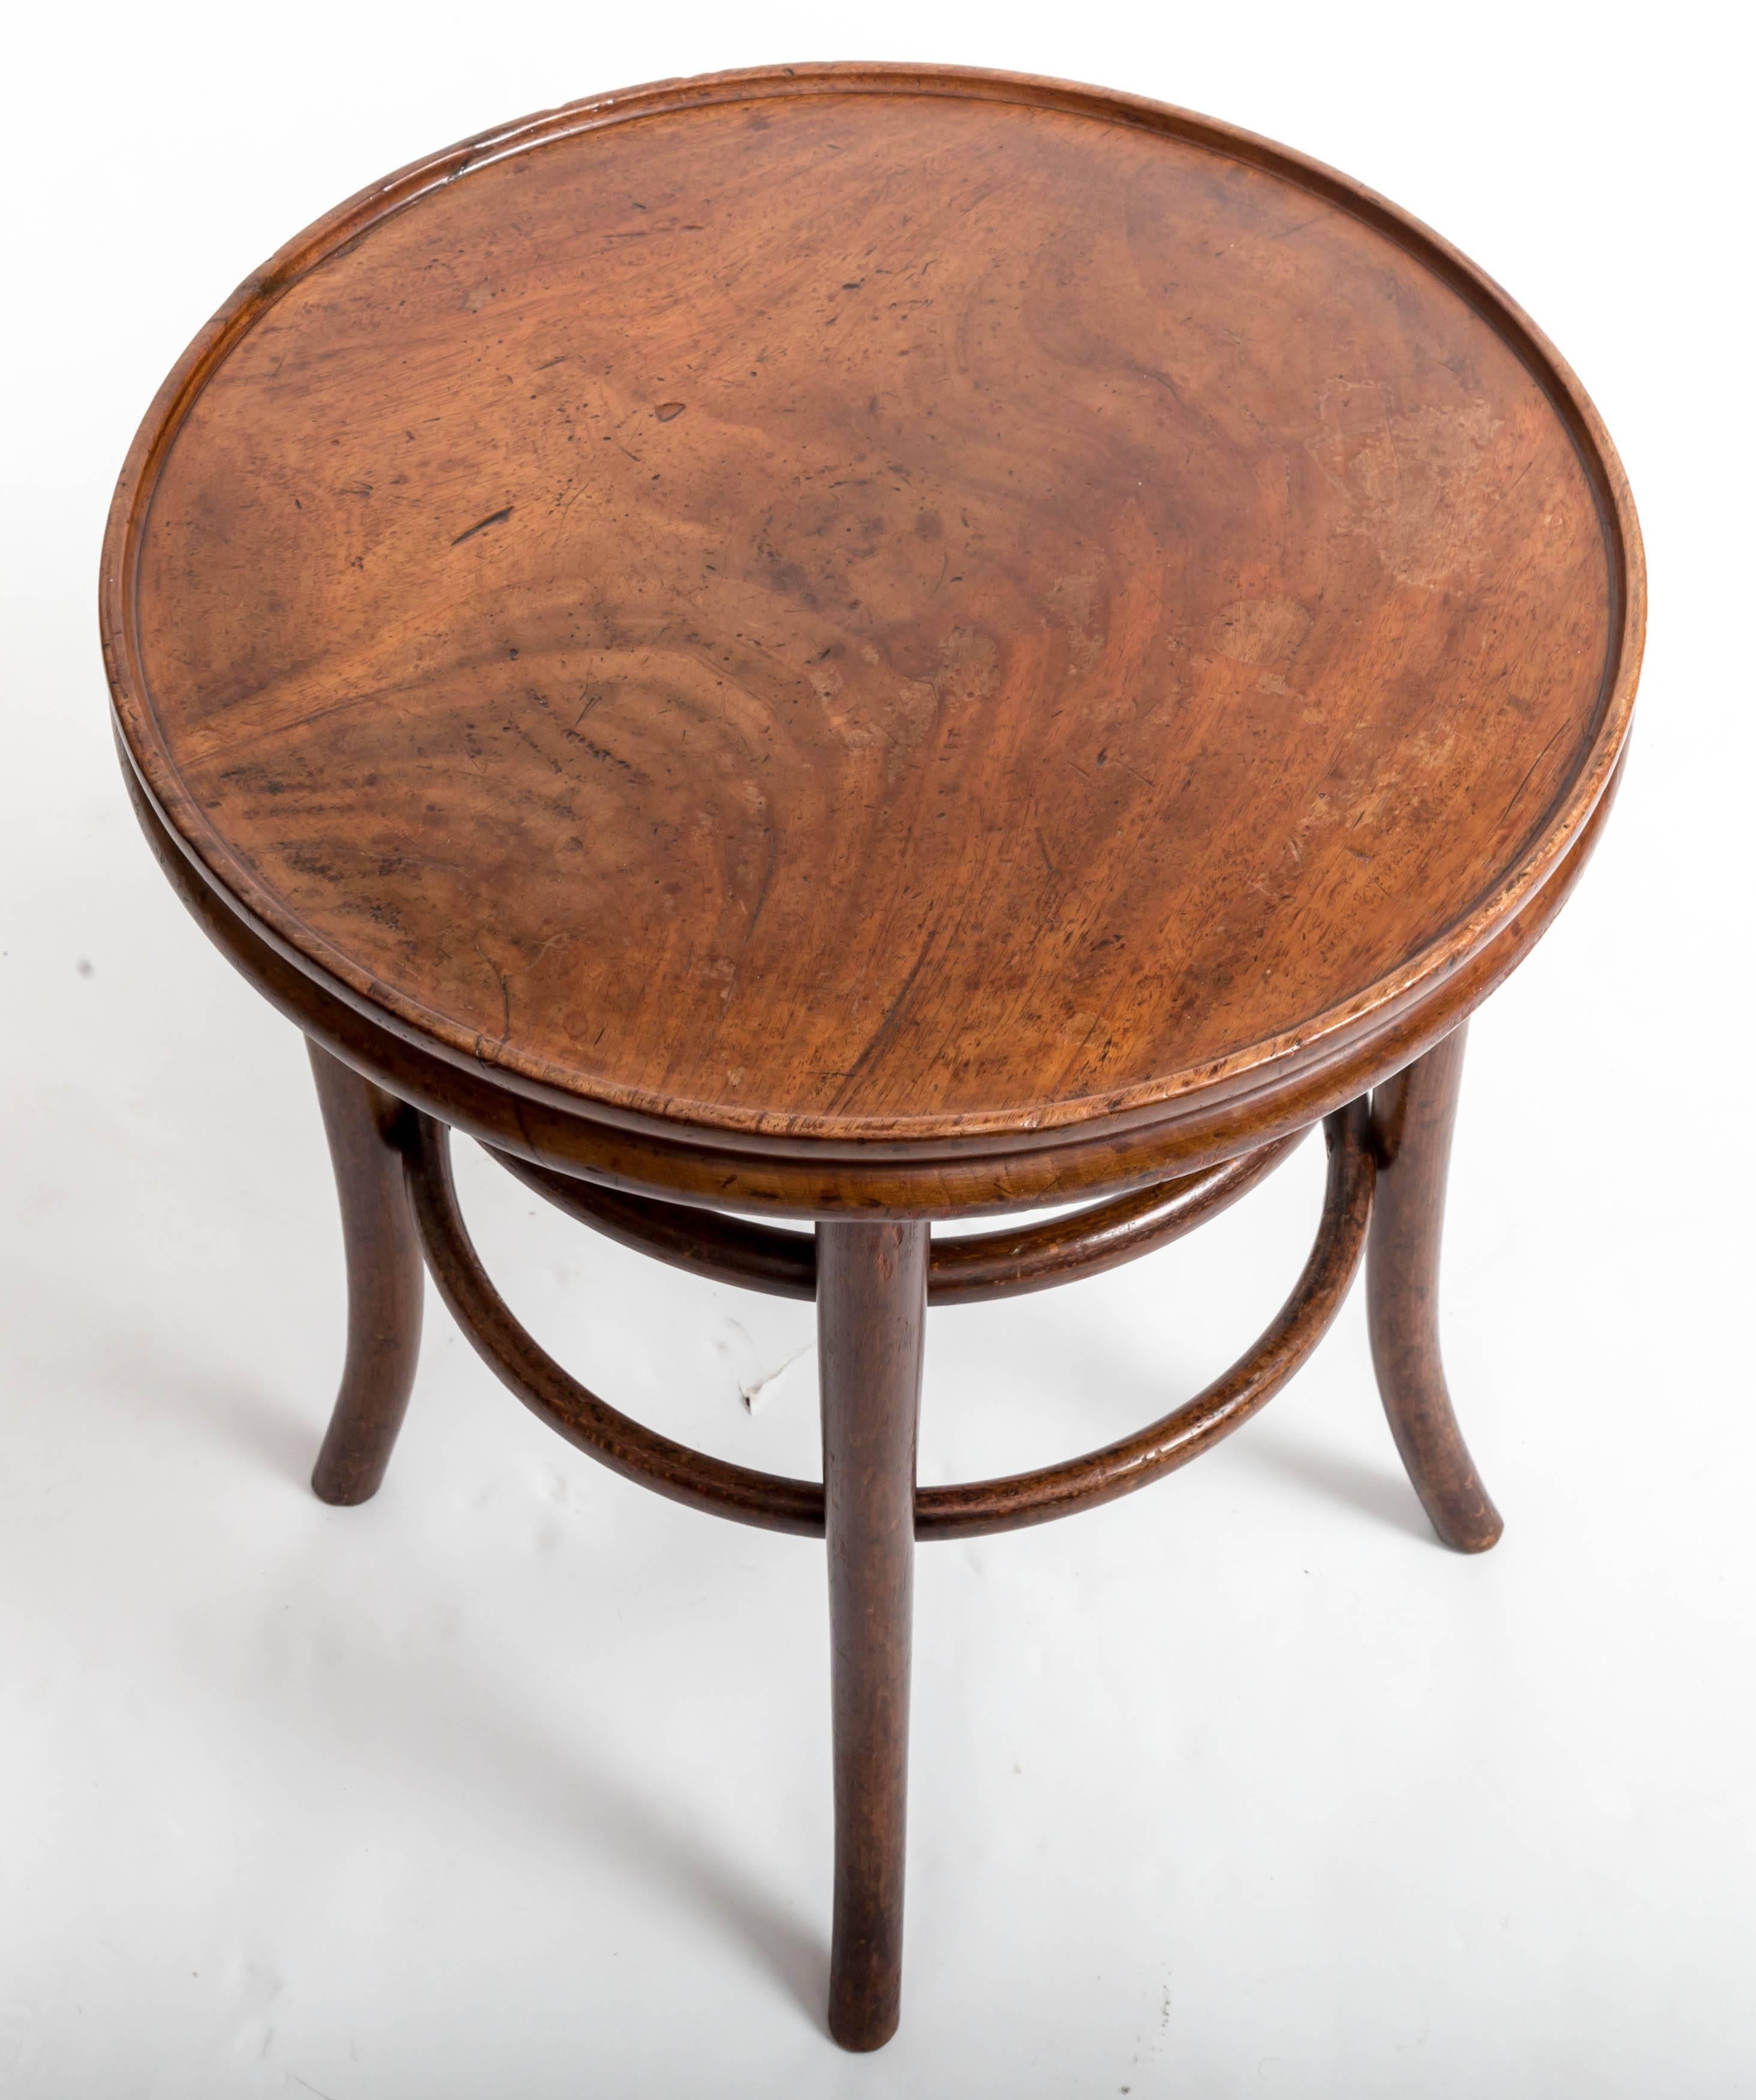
(867, 604)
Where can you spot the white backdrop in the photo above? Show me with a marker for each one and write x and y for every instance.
(515, 1782)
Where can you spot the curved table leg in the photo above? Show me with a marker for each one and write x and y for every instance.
(871, 1307)
(385, 1282)
(1412, 1116)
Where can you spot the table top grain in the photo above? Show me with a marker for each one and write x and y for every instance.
(862, 603)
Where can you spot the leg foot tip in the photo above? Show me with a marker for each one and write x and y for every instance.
(1476, 1536)
(860, 2037)
(341, 1494)
(864, 2009)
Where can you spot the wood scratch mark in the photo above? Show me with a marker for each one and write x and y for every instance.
(505, 988)
(1530, 768)
(498, 518)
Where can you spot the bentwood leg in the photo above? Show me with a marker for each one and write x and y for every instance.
(871, 1305)
(1412, 1116)
(385, 1280)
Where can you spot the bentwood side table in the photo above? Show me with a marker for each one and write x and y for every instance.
(865, 646)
